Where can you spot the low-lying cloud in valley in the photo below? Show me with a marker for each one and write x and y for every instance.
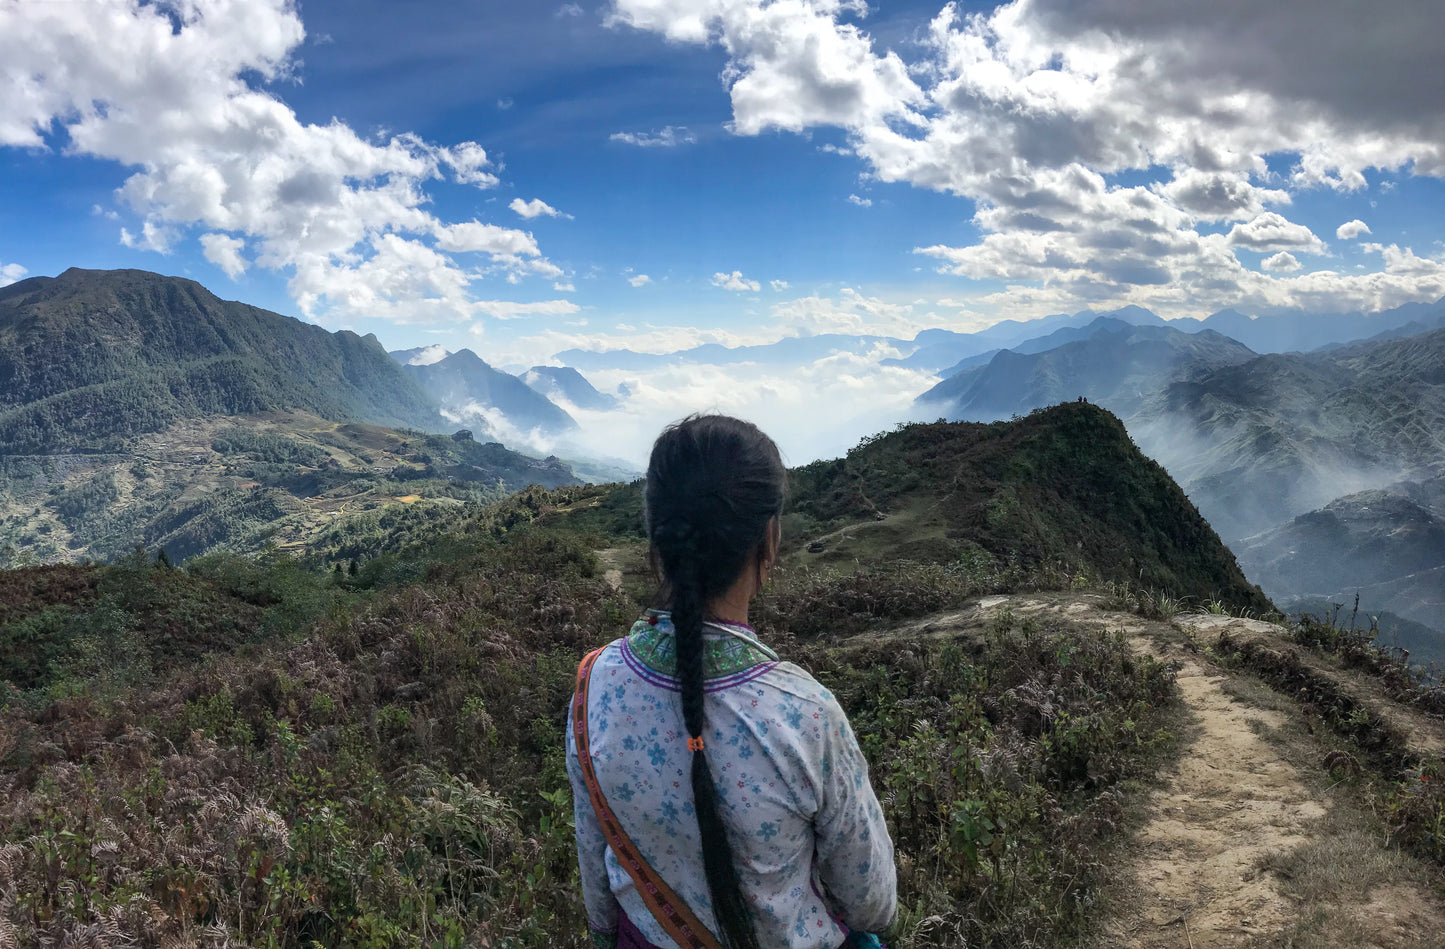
(817, 410)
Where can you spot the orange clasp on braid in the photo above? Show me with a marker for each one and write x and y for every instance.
(694, 744)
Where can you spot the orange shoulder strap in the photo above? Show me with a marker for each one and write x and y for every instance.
(666, 906)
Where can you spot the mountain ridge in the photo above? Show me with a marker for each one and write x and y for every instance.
(471, 391)
(84, 350)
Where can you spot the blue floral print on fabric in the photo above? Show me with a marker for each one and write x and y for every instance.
(792, 783)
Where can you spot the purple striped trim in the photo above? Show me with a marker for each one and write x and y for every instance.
(646, 674)
(738, 678)
(672, 684)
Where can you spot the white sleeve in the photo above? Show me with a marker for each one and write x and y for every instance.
(854, 851)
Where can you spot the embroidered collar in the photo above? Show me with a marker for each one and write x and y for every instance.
(728, 648)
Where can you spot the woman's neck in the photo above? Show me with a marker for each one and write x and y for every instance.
(732, 605)
(728, 613)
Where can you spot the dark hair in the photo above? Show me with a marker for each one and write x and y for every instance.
(714, 485)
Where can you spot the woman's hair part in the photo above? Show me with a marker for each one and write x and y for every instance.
(714, 489)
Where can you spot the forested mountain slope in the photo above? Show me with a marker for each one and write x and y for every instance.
(91, 358)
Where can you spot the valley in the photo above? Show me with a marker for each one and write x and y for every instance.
(244, 484)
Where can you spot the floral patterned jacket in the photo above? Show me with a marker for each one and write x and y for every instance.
(811, 847)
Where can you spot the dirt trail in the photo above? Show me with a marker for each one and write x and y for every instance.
(1425, 734)
(612, 566)
(1230, 802)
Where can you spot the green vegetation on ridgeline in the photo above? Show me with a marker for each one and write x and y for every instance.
(1063, 489)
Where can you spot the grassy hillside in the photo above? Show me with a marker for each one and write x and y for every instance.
(1063, 490)
(91, 359)
(243, 483)
(262, 752)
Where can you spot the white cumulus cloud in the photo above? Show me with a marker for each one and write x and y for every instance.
(1271, 231)
(535, 208)
(1093, 139)
(735, 281)
(861, 202)
(183, 93)
(640, 280)
(1284, 262)
(477, 237)
(154, 236)
(225, 252)
(1350, 230)
(10, 273)
(778, 285)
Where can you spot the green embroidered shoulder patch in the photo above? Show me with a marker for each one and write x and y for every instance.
(727, 650)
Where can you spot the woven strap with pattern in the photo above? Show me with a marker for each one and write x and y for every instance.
(666, 906)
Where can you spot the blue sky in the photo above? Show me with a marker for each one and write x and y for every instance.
(770, 167)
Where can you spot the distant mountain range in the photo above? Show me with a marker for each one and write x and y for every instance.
(566, 384)
(1265, 440)
(1322, 467)
(471, 392)
(1296, 458)
(1109, 361)
(1256, 439)
(1384, 544)
(947, 351)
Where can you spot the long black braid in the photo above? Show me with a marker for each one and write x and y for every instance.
(714, 485)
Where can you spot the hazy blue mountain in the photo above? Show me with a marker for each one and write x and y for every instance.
(91, 358)
(1275, 449)
(791, 351)
(1300, 331)
(569, 385)
(1118, 365)
(1059, 337)
(1358, 540)
(1261, 442)
(1255, 439)
(949, 352)
(421, 355)
(473, 393)
(1386, 545)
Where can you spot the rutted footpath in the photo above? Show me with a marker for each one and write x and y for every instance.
(1237, 819)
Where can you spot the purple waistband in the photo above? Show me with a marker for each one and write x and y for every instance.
(628, 936)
